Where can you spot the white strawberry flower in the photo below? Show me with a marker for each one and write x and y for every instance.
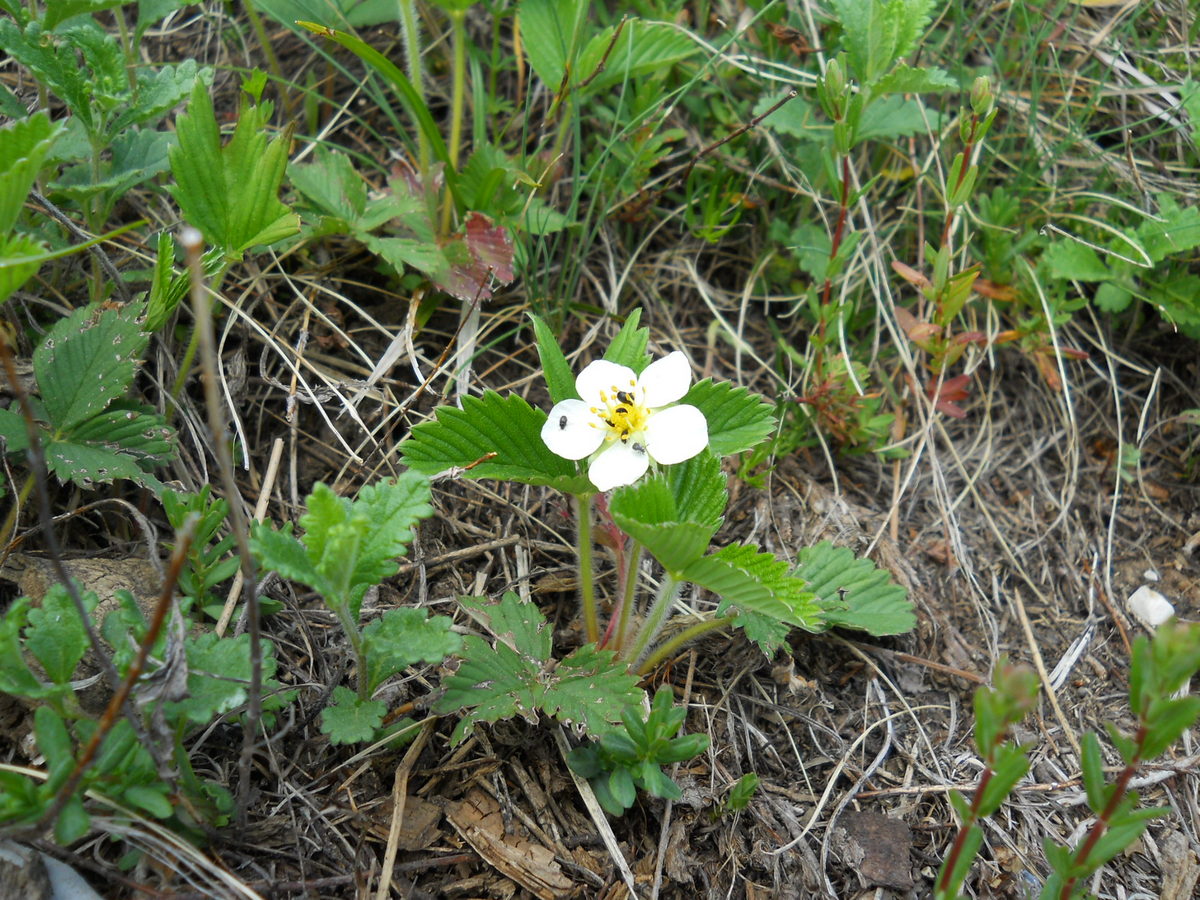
(625, 422)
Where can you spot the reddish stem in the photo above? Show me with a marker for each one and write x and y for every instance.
(960, 839)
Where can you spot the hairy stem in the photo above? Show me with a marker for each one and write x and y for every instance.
(682, 639)
(630, 579)
(411, 31)
(668, 591)
(587, 585)
(458, 93)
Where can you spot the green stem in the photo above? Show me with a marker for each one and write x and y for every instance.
(189, 355)
(412, 53)
(264, 41)
(632, 565)
(668, 591)
(458, 29)
(587, 584)
(688, 634)
(342, 611)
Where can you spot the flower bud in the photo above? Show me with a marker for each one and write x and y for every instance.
(981, 96)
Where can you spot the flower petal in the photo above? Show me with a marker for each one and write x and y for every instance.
(666, 380)
(603, 375)
(618, 465)
(675, 434)
(571, 431)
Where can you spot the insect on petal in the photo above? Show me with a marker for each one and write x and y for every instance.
(570, 430)
(620, 464)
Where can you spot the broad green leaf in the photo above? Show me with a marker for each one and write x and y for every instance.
(647, 512)
(767, 632)
(160, 90)
(1112, 297)
(128, 431)
(55, 636)
(349, 720)
(628, 348)
(342, 13)
(87, 361)
(642, 48)
(58, 12)
(550, 32)
(230, 193)
(219, 676)
(507, 427)
(23, 145)
(907, 80)
(794, 119)
(737, 419)
(559, 378)
(55, 744)
(876, 33)
(1175, 230)
(403, 254)
(518, 624)
(331, 183)
(88, 465)
(894, 117)
(13, 430)
(497, 682)
(853, 592)
(698, 487)
(404, 637)
(756, 582)
(1074, 261)
(57, 68)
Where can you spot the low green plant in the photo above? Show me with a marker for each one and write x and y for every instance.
(348, 547)
(622, 762)
(1160, 667)
(88, 431)
(646, 471)
(139, 760)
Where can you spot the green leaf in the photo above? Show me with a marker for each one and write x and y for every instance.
(15, 676)
(1112, 297)
(642, 48)
(73, 822)
(55, 744)
(756, 582)
(647, 512)
(555, 367)
(160, 90)
(1176, 229)
(1072, 260)
(550, 35)
(403, 637)
(876, 33)
(767, 632)
(794, 119)
(55, 636)
(23, 146)
(1167, 719)
(628, 348)
(230, 193)
(1093, 772)
(698, 486)
(219, 676)
(13, 274)
(737, 419)
(87, 361)
(128, 431)
(60, 11)
(349, 720)
(392, 508)
(894, 117)
(853, 592)
(13, 431)
(906, 80)
(1009, 767)
(282, 553)
(152, 799)
(88, 465)
(332, 183)
(58, 68)
(506, 426)
(514, 677)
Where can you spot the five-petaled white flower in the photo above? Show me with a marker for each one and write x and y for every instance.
(625, 422)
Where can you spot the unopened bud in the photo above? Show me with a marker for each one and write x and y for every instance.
(981, 96)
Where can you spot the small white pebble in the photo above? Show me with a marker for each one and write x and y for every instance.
(1150, 575)
(1150, 607)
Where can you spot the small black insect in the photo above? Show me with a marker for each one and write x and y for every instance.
(562, 423)
(610, 423)
(638, 448)
(624, 397)
(622, 410)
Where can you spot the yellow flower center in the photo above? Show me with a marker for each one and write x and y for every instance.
(622, 412)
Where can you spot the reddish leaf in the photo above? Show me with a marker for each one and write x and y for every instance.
(1002, 293)
(911, 275)
(483, 252)
(946, 394)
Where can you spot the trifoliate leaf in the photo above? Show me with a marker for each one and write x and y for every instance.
(55, 636)
(648, 513)
(507, 427)
(737, 419)
(756, 582)
(518, 624)
(514, 677)
(853, 592)
(87, 361)
(404, 637)
(349, 720)
(699, 488)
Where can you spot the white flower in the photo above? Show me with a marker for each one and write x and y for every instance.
(625, 422)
